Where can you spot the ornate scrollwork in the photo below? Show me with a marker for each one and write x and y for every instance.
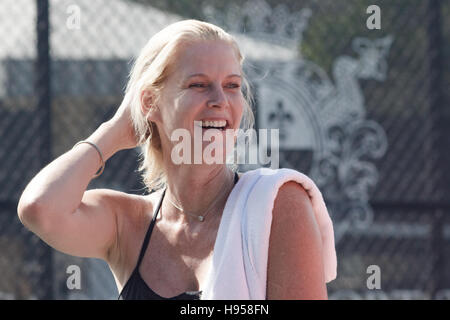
(295, 94)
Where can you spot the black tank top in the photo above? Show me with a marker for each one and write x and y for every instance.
(136, 288)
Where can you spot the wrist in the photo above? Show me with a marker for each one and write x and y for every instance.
(107, 139)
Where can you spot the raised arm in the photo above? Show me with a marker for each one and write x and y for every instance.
(56, 206)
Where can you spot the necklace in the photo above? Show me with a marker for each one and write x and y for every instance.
(200, 218)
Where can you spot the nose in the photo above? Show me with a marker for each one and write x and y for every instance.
(217, 98)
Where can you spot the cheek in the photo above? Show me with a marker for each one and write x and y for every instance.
(182, 108)
(190, 102)
(238, 107)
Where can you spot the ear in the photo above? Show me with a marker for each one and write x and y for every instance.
(148, 106)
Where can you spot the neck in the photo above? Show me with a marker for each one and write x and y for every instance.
(195, 187)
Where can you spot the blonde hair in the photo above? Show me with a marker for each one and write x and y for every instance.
(150, 71)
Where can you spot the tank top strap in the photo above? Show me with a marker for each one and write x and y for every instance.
(152, 224)
(149, 231)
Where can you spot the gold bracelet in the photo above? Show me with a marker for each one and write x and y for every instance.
(99, 153)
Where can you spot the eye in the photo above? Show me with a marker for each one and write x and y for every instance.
(233, 85)
(198, 85)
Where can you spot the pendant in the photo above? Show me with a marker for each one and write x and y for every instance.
(201, 218)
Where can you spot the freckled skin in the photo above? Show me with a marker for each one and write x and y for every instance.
(295, 267)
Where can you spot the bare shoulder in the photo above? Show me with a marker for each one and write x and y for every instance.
(116, 199)
(291, 198)
(128, 208)
(133, 213)
(295, 266)
(124, 205)
(293, 211)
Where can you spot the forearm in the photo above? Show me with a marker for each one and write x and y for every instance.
(59, 187)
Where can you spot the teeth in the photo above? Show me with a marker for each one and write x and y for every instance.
(216, 124)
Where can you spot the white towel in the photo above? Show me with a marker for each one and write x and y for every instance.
(239, 264)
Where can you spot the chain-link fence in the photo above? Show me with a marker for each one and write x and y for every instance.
(361, 110)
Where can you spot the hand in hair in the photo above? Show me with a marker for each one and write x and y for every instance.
(122, 121)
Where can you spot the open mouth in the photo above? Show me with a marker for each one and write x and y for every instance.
(219, 124)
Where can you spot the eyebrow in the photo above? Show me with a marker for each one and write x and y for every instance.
(204, 75)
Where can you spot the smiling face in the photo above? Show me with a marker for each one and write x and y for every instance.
(205, 85)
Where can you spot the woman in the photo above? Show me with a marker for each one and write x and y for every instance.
(190, 71)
